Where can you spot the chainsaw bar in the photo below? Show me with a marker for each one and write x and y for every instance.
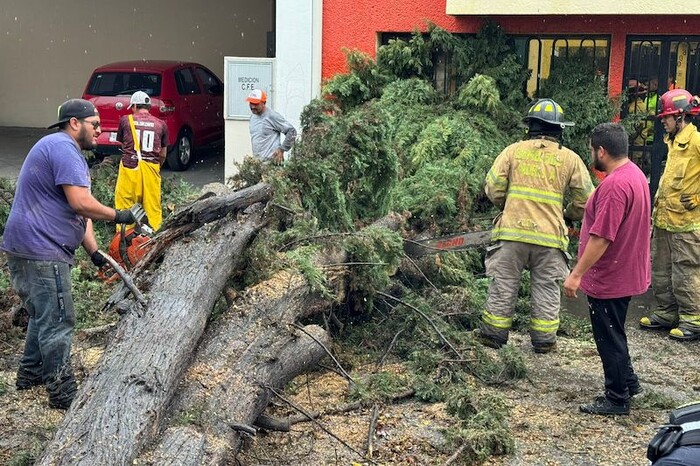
(458, 242)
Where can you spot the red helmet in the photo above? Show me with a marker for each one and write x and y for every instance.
(678, 102)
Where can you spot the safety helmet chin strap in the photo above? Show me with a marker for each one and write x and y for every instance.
(679, 119)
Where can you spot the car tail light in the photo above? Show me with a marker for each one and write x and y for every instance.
(167, 107)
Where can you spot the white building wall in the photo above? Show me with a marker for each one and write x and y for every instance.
(297, 78)
(49, 48)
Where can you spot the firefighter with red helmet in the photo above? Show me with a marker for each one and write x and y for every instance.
(528, 181)
(675, 273)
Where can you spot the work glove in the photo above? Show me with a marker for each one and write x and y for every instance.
(690, 201)
(98, 259)
(125, 216)
(135, 214)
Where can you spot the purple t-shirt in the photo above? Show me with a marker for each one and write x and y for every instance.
(42, 225)
(619, 210)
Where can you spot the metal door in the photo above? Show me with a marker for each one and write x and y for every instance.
(653, 65)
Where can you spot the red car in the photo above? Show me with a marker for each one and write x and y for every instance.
(187, 96)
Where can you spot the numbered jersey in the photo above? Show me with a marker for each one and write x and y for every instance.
(152, 134)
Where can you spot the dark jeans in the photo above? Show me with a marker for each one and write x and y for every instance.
(681, 456)
(608, 323)
(45, 290)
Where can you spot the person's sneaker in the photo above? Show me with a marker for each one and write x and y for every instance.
(27, 384)
(544, 348)
(61, 392)
(681, 334)
(602, 405)
(26, 380)
(59, 403)
(634, 391)
(651, 323)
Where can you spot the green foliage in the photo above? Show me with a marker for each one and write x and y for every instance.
(444, 174)
(363, 82)
(480, 94)
(482, 425)
(345, 168)
(574, 327)
(376, 252)
(380, 387)
(492, 53)
(192, 416)
(407, 59)
(652, 399)
(302, 259)
(7, 194)
(574, 84)
(410, 92)
(23, 458)
(89, 294)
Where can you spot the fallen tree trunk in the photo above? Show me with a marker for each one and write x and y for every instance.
(254, 346)
(118, 407)
(235, 399)
(189, 219)
(257, 345)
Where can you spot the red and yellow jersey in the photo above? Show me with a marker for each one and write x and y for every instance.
(152, 135)
(528, 181)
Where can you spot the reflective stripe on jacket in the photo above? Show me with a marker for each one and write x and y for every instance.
(681, 176)
(528, 181)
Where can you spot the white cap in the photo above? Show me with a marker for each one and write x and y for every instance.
(139, 98)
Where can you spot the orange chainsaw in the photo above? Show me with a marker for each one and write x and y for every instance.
(458, 242)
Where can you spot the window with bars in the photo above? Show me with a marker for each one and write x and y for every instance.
(541, 52)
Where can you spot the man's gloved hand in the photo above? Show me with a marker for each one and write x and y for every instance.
(98, 259)
(135, 214)
(690, 201)
(124, 216)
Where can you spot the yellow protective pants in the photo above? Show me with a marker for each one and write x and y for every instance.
(142, 185)
(504, 265)
(675, 278)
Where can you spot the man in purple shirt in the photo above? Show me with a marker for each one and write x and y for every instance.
(613, 262)
(50, 217)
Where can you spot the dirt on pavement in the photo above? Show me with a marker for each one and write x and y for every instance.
(545, 421)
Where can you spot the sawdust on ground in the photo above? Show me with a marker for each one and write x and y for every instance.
(545, 421)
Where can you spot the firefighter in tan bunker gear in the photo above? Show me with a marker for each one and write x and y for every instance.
(528, 181)
(675, 255)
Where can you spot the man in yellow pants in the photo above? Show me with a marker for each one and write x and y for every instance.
(144, 139)
(675, 256)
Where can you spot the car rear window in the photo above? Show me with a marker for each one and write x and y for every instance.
(111, 84)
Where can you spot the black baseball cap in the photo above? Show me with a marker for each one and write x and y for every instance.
(75, 108)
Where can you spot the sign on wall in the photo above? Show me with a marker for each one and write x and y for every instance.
(242, 75)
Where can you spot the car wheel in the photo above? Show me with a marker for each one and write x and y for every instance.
(180, 154)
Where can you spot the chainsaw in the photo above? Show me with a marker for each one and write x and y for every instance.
(457, 242)
(128, 246)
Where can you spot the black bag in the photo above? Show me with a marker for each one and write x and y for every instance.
(683, 429)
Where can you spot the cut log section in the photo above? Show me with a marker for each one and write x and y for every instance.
(119, 406)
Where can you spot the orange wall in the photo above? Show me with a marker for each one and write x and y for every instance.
(356, 24)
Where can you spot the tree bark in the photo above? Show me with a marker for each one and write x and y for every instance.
(227, 397)
(118, 407)
(255, 346)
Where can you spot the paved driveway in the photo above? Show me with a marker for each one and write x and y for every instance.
(15, 142)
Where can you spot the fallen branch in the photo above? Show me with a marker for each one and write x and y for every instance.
(427, 319)
(126, 278)
(456, 455)
(321, 426)
(371, 430)
(340, 367)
